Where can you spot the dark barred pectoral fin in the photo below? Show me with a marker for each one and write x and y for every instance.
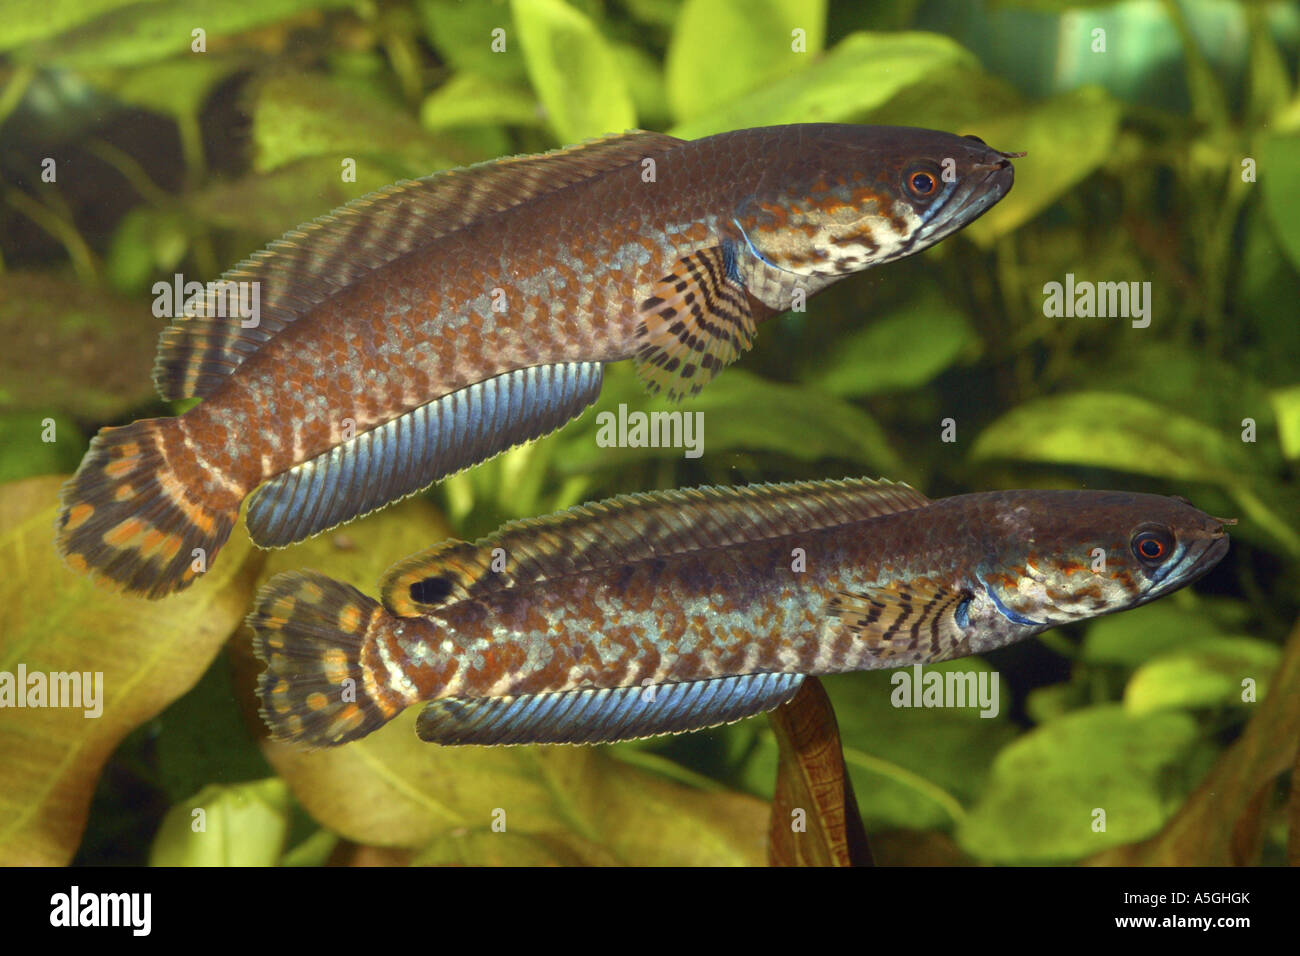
(908, 622)
(594, 716)
(697, 320)
(410, 453)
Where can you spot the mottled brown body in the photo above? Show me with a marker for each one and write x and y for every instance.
(655, 248)
(923, 582)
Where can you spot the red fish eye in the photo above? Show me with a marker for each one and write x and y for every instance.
(922, 183)
(1151, 546)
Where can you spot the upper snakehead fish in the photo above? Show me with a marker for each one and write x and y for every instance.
(432, 324)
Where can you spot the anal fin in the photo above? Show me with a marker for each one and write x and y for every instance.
(413, 451)
(909, 622)
(604, 715)
(697, 320)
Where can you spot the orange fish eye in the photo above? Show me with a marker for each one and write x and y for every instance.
(922, 183)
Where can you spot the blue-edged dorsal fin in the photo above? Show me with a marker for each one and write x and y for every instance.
(595, 716)
(413, 451)
(630, 528)
(320, 258)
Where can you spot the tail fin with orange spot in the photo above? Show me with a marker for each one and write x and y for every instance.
(326, 680)
(127, 520)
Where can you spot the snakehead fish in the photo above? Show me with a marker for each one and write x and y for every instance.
(432, 324)
(674, 611)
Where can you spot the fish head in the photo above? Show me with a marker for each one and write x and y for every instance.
(1056, 557)
(836, 199)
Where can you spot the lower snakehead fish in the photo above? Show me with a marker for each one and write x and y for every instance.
(430, 325)
(679, 610)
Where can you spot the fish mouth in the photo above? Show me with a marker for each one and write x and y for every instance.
(977, 194)
(1195, 565)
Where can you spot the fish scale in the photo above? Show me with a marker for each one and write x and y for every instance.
(678, 590)
(389, 305)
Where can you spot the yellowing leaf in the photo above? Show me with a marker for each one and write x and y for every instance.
(573, 70)
(54, 620)
(243, 824)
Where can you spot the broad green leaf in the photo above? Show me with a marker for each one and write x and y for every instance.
(149, 31)
(574, 71)
(1223, 821)
(176, 87)
(89, 355)
(911, 767)
(723, 48)
(1067, 138)
(740, 412)
(905, 349)
(54, 620)
(645, 82)
(1278, 172)
(1046, 789)
(569, 803)
(147, 245)
(815, 818)
(296, 115)
(1286, 406)
(468, 99)
(464, 34)
(24, 452)
(266, 205)
(1111, 430)
(26, 21)
(1209, 672)
(243, 824)
(861, 72)
(1164, 627)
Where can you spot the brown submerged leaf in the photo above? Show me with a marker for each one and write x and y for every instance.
(812, 778)
(150, 653)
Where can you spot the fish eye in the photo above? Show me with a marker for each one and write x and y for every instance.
(1152, 546)
(922, 184)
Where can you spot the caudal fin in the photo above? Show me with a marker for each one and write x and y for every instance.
(325, 682)
(128, 520)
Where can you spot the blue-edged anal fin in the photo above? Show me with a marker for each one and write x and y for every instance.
(597, 716)
(913, 621)
(410, 453)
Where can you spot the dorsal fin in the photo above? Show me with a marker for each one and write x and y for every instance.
(322, 257)
(632, 528)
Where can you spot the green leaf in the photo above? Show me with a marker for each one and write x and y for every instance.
(149, 31)
(911, 767)
(1208, 673)
(904, 350)
(723, 48)
(242, 824)
(861, 72)
(1045, 788)
(1286, 406)
(149, 653)
(574, 71)
(740, 412)
(89, 356)
(1164, 627)
(462, 33)
(24, 451)
(176, 87)
(468, 99)
(1278, 171)
(296, 115)
(1067, 138)
(25, 21)
(1117, 431)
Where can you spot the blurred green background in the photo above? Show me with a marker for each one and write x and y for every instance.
(1164, 147)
